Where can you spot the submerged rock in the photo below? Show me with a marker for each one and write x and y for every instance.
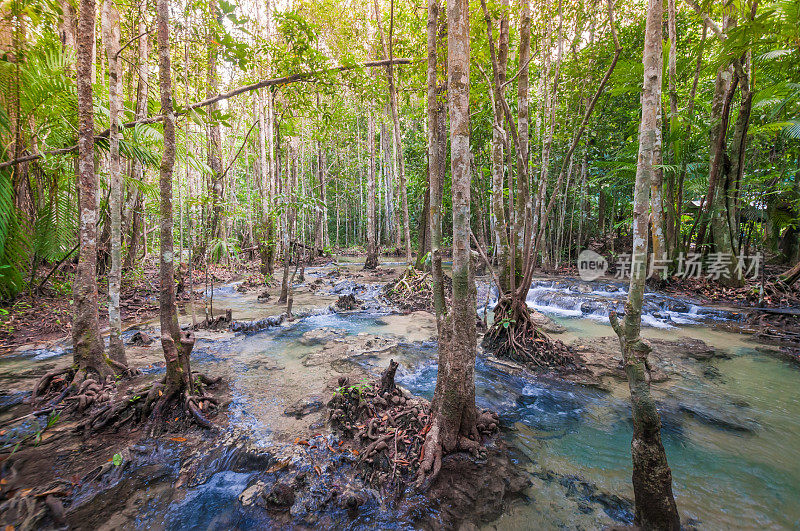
(321, 335)
(546, 324)
(603, 357)
(140, 339)
(264, 296)
(304, 407)
(726, 420)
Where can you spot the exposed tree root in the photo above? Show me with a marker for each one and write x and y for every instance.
(80, 393)
(514, 336)
(413, 290)
(389, 427)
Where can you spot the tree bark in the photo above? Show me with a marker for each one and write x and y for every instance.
(670, 218)
(111, 33)
(137, 168)
(500, 223)
(371, 261)
(399, 164)
(652, 478)
(214, 133)
(88, 352)
(437, 158)
(453, 412)
(177, 346)
(288, 234)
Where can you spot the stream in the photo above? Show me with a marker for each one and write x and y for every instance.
(731, 423)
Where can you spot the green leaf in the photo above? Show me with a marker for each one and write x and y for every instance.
(117, 459)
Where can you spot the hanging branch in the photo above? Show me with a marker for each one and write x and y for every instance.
(286, 80)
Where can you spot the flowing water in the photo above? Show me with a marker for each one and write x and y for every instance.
(731, 428)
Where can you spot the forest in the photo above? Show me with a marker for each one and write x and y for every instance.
(366, 264)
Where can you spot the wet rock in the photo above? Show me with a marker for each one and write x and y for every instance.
(280, 497)
(252, 493)
(546, 324)
(260, 324)
(242, 288)
(264, 296)
(582, 288)
(685, 347)
(347, 287)
(726, 420)
(303, 407)
(351, 500)
(140, 339)
(590, 307)
(321, 335)
(505, 365)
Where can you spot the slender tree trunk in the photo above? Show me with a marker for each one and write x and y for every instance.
(320, 210)
(88, 352)
(686, 139)
(437, 147)
(111, 32)
(291, 215)
(214, 133)
(453, 412)
(397, 147)
(652, 478)
(499, 66)
(371, 261)
(657, 203)
(670, 218)
(136, 211)
(524, 204)
(177, 346)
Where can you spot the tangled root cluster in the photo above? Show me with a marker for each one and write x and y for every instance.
(413, 290)
(101, 404)
(516, 337)
(388, 426)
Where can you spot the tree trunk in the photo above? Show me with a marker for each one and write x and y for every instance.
(136, 212)
(214, 133)
(652, 478)
(288, 234)
(670, 218)
(657, 203)
(524, 205)
(437, 158)
(88, 352)
(453, 412)
(319, 226)
(397, 147)
(499, 66)
(371, 261)
(177, 346)
(686, 138)
(111, 32)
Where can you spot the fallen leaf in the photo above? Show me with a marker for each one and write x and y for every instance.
(355, 452)
(9, 527)
(277, 467)
(301, 442)
(318, 470)
(178, 439)
(331, 448)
